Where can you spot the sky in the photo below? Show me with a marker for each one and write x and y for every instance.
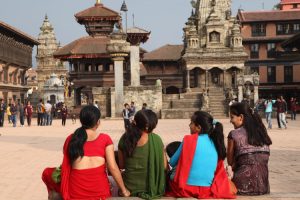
(164, 18)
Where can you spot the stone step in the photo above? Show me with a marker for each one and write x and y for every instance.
(190, 95)
(177, 113)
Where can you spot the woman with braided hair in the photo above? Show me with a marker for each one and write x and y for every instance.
(87, 153)
(248, 151)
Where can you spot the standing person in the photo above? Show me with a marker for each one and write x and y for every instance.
(64, 114)
(144, 106)
(248, 151)
(40, 112)
(87, 153)
(268, 111)
(125, 114)
(131, 111)
(141, 154)
(199, 162)
(282, 110)
(21, 111)
(8, 113)
(52, 114)
(28, 112)
(2, 112)
(48, 108)
(293, 103)
(96, 104)
(14, 112)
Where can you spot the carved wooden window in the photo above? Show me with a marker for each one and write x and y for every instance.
(259, 30)
(254, 51)
(288, 74)
(271, 47)
(271, 75)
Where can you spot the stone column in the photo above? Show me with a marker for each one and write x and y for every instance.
(240, 95)
(255, 93)
(188, 80)
(119, 84)
(135, 65)
(206, 78)
(118, 49)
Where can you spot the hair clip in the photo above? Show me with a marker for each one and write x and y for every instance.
(214, 122)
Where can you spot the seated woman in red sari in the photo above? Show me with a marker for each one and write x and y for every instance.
(141, 154)
(199, 163)
(86, 155)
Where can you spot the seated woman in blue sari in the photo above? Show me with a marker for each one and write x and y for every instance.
(200, 171)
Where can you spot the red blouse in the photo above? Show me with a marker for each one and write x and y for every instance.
(97, 146)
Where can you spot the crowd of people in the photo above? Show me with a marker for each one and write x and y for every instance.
(141, 167)
(46, 112)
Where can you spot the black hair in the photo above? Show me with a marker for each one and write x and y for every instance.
(144, 121)
(256, 131)
(172, 148)
(215, 131)
(89, 116)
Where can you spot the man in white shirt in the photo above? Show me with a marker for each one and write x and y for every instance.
(48, 117)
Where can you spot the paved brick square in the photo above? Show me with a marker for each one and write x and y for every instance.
(26, 151)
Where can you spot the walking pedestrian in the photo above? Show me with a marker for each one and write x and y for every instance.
(64, 114)
(293, 103)
(21, 113)
(28, 112)
(13, 111)
(47, 114)
(8, 113)
(125, 115)
(2, 112)
(268, 111)
(40, 112)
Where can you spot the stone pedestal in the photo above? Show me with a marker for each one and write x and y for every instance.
(135, 65)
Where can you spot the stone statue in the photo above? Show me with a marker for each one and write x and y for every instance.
(205, 100)
(193, 3)
(158, 83)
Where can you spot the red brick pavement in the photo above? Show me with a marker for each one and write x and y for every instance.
(26, 151)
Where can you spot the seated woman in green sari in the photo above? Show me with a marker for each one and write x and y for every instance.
(141, 154)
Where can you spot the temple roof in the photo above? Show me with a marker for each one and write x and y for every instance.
(137, 30)
(165, 53)
(85, 47)
(97, 12)
(289, 1)
(25, 36)
(263, 16)
(292, 42)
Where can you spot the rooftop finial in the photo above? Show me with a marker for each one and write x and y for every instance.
(98, 1)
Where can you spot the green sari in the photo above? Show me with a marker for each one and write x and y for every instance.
(144, 172)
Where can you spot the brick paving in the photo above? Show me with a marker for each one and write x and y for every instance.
(26, 151)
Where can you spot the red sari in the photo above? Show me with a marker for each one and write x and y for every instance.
(91, 184)
(178, 187)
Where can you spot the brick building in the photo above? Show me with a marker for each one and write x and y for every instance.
(15, 59)
(263, 33)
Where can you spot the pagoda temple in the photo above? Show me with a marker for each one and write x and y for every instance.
(90, 64)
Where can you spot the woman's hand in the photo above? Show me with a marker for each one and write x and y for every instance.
(125, 193)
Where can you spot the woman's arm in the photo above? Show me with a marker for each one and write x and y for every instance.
(165, 161)
(121, 159)
(174, 159)
(114, 169)
(230, 152)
